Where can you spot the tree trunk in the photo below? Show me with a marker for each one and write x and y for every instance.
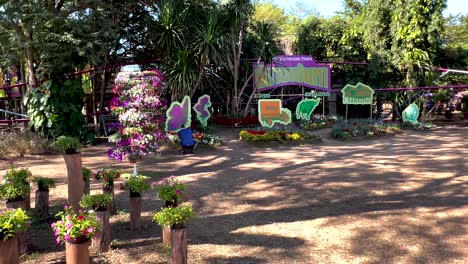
(135, 213)
(42, 203)
(95, 117)
(75, 179)
(9, 251)
(29, 54)
(166, 231)
(179, 245)
(87, 188)
(101, 241)
(103, 92)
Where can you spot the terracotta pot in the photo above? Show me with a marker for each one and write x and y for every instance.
(9, 251)
(179, 245)
(135, 212)
(101, 240)
(77, 253)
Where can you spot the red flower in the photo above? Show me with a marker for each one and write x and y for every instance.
(80, 217)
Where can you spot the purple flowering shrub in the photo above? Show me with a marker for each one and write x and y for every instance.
(75, 227)
(140, 112)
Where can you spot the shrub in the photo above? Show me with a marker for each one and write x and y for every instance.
(108, 176)
(169, 189)
(17, 144)
(75, 228)
(362, 128)
(87, 174)
(18, 175)
(97, 202)
(137, 184)
(173, 216)
(68, 145)
(267, 136)
(44, 184)
(12, 192)
(12, 221)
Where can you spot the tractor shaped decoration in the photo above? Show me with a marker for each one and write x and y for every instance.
(305, 108)
(270, 112)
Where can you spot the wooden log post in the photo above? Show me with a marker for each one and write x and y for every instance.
(42, 203)
(28, 198)
(101, 240)
(77, 253)
(166, 230)
(9, 251)
(75, 179)
(110, 190)
(135, 211)
(21, 238)
(179, 245)
(87, 188)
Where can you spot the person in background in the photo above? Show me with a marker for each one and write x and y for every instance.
(186, 140)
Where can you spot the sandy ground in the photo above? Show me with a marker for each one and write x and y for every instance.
(401, 199)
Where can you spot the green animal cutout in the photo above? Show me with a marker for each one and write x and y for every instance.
(411, 114)
(306, 107)
(359, 94)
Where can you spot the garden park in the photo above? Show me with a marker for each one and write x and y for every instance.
(318, 140)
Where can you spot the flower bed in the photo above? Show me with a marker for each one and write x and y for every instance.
(200, 138)
(363, 128)
(319, 123)
(268, 136)
(235, 122)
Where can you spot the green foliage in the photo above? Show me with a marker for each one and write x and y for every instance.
(12, 192)
(75, 227)
(96, 202)
(106, 175)
(55, 109)
(268, 136)
(18, 175)
(171, 216)
(12, 221)
(44, 184)
(68, 145)
(362, 128)
(170, 189)
(87, 174)
(137, 184)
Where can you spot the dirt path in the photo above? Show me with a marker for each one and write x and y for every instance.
(401, 199)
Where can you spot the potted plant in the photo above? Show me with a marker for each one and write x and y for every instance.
(75, 230)
(136, 185)
(14, 194)
(20, 176)
(170, 190)
(176, 218)
(99, 203)
(70, 146)
(108, 177)
(86, 179)
(12, 221)
(42, 194)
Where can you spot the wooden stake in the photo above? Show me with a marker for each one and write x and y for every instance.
(75, 179)
(179, 245)
(346, 112)
(101, 241)
(135, 213)
(42, 203)
(110, 190)
(166, 234)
